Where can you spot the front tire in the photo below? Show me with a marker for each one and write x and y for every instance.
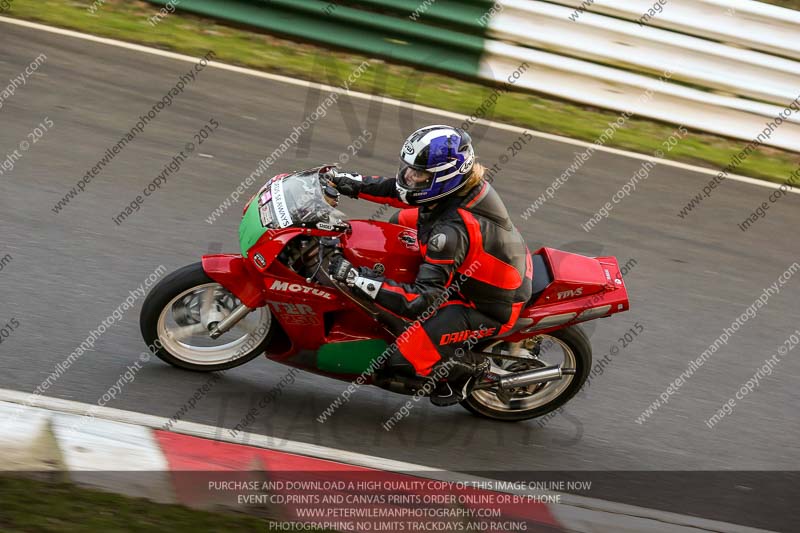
(544, 398)
(181, 309)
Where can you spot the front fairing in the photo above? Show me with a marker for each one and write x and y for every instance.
(287, 201)
(250, 228)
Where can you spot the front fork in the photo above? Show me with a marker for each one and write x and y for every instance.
(235, 275)
(218, 328)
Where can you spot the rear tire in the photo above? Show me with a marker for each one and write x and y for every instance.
(573, 338)
(162, 299)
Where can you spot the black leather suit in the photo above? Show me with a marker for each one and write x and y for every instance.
(475, 278)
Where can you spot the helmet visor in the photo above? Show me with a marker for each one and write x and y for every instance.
(414, 179)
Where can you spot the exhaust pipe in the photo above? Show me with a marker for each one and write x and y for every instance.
(532, 377)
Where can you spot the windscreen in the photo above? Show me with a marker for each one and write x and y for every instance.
(298, 200)
(295, 200)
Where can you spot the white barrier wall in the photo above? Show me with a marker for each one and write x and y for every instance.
(607, 62)
(625, 92)
(616, 42)
(747, 23)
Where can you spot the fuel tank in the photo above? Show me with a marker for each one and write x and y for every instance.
(389, 249)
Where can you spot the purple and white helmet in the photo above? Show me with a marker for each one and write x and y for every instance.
(443, 154)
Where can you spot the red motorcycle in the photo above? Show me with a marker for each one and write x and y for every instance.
(277, 298)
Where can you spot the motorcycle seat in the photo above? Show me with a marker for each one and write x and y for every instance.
(541, 278)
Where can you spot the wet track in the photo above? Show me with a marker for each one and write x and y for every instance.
(687, 278)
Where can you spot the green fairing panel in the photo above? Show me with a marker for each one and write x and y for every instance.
(250, 228)
(352, 357)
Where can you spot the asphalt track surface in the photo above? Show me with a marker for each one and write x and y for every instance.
(691, 277)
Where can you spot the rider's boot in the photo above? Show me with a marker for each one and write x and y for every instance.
(461, 377)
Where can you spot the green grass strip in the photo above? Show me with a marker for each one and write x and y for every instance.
(789, 4)
(36, 506)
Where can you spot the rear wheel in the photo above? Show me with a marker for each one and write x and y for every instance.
(568, 348)
(180, 311)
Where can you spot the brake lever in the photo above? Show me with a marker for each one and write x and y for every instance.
(324, 242)
(313, 277)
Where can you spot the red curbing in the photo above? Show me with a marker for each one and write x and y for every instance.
(297, 488)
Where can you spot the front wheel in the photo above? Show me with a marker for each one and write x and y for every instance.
(180, 311)
(568, 348)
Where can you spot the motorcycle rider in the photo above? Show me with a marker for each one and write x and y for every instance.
(472, 252)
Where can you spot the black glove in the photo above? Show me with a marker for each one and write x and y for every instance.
(342, 270)
(346, 183)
